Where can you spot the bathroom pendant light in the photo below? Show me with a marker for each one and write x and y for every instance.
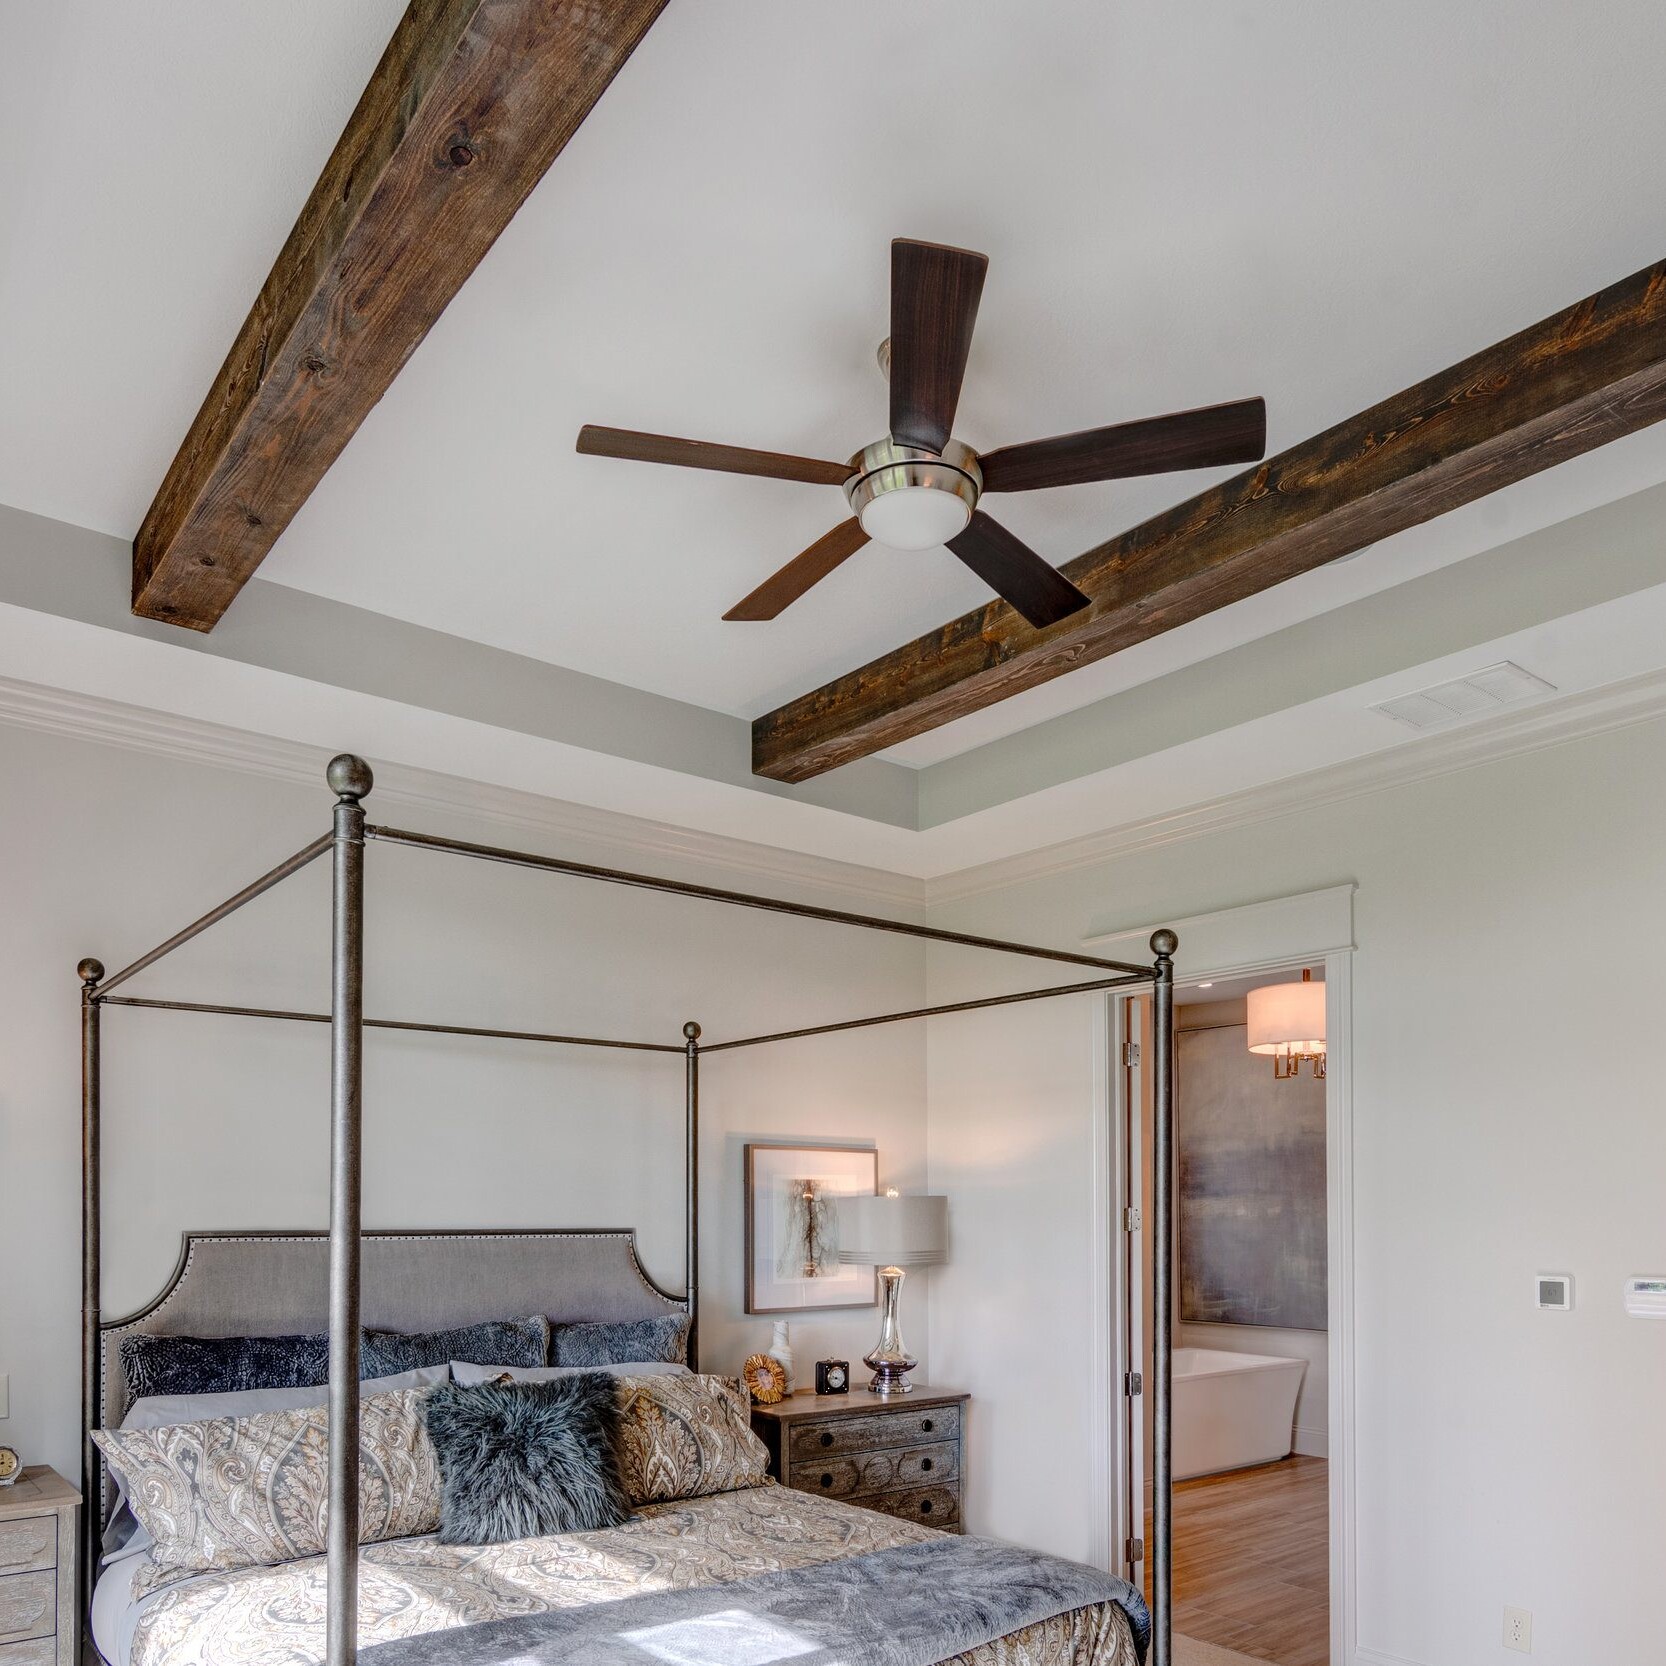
(1287, 1021)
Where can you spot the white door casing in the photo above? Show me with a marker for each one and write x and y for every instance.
(1311, 927)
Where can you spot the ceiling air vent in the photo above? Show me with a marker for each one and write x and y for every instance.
(1475, 695)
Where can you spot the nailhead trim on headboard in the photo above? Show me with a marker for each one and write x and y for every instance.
(111, 1332)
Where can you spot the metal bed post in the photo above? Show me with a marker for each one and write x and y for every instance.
(350, 779)
(1163, 945)
(90, 971)
(691, 1188)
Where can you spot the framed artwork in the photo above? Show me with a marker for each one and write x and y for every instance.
(792, 1228)
(1251, 1195)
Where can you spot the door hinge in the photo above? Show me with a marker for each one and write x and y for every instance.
(1133, 1550)
(1131, 1218)
(1130, 1052)
(1133, 1383)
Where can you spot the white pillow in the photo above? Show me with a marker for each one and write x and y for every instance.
(462, 1372)
(124, 1536)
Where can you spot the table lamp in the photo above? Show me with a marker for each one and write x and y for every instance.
(892, 1233)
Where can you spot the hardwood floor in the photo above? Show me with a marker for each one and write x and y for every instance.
(1251, 1561)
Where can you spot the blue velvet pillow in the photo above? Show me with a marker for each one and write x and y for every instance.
(522, 1459)
(496, 1342)
(626, 1342)
(156, 1365)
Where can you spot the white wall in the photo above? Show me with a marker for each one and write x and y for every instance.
(215, 1122)
(1509, 1119)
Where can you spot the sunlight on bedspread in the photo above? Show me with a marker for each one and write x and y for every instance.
(275, 1616)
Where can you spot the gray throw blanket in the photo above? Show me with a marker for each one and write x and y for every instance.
(912, 1606)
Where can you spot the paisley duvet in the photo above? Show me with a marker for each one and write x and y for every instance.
(274, 1616)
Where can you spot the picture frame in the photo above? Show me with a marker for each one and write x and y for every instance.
(789, 1231)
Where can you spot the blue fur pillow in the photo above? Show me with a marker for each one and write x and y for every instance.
(496, 1342)
(632, 1340)
(156, 1365)
(518, 1460)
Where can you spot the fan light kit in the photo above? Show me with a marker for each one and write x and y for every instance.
(919, 487)
(913, 499)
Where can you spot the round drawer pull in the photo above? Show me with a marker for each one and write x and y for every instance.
(827, 1440)
(827, 1480)
(925, 1507)
(927, 1426)
(925, 1465)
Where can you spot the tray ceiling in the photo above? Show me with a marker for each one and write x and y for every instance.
(1181, 204)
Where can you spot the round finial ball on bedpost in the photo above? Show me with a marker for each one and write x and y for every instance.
(349, 777)
(90, 972)
(1164, 943)
(691, 1031)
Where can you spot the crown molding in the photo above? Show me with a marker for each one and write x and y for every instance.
(1509, 735)
(194, 740)
(1549, 723)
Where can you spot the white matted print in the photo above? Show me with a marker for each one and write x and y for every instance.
(792, 1227)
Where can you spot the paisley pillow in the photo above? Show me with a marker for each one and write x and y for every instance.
(238, 1492)
(684, 1437)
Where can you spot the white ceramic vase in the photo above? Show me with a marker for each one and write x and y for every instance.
(780, 1348)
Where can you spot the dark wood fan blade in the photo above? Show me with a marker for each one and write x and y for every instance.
(1016, 573)
(780, 590)
(1207, 438)
(934, 304)
(697, 454)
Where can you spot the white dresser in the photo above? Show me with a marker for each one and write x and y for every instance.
(38, 1550)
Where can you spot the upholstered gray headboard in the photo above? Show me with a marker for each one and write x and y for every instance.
(277, 1284)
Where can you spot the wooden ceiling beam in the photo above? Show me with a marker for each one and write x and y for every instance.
(472, 101)
(1575, 381)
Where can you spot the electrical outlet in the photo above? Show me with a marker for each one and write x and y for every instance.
(1518, 1630)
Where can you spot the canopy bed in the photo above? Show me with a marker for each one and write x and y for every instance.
(278, 1285)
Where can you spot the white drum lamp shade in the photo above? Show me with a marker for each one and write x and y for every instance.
(892, 1231)
(1286, 1021)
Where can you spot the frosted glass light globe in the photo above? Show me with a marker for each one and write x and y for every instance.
(915, 517)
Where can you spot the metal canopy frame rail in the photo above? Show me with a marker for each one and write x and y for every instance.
(350, 779)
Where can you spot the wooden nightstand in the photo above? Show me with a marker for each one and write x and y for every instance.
(901, 1454)
(38, 1551)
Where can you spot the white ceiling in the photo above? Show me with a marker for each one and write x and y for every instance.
(1182, 203)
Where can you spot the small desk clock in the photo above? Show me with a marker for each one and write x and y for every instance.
(11, 1466)
(832, 1376)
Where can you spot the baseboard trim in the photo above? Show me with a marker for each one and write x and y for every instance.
(1312, 1443)
(1377, 1657)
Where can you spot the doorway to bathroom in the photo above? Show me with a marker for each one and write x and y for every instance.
(1251, 1415)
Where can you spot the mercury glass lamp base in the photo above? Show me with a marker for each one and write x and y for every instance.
(891, 1380)
(890, 1360)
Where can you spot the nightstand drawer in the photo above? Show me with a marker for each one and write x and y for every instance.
(28, 1605)
(42, 1651)
(28, 1544)
(886, 1471)
(930, 1506)
(902, 1427)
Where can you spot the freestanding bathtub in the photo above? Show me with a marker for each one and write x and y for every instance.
(1232, 1410)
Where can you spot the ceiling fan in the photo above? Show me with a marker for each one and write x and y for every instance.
(919, 487)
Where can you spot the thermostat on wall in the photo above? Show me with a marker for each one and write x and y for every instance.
(1554, 1290)
(1646, 1297)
